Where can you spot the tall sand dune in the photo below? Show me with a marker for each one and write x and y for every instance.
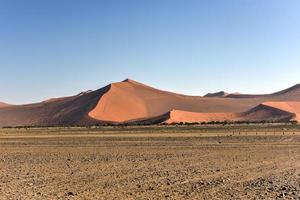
(131, 101)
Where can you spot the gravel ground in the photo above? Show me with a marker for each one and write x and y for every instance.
(149, 165)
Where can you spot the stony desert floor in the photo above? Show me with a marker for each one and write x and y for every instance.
(150, 163)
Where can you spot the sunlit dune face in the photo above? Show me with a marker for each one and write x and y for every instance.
(190, 117)
(2, 105)
(119, 104)
(129, 101)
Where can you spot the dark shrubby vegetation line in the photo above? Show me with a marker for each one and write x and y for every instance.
(223, 123)
(229, 122)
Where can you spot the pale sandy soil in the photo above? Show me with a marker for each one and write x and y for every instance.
(153, 163)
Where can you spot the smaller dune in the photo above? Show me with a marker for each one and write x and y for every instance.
(287, 106)
(217, 94)
(268, 111)
(129, 102)
(2, 105)
(264, 112)
(289, 91)
(176, 116)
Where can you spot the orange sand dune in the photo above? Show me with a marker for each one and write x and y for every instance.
(176, 116)
(130, 101)
(291, 107)
(2, 105)
(269, 111)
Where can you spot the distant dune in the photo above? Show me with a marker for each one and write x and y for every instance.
(132, 102)
(217, 94)
(290, 93)
(2, 105)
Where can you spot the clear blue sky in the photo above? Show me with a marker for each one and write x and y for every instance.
(54, 48)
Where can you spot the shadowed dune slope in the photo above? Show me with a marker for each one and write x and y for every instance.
(131, 101)
(217, 94)
(291, 107)
(60, 111)
(269, 111)
(292, 93)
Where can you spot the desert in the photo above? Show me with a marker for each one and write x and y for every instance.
(132, 102)
(149, 100)
(151, 162)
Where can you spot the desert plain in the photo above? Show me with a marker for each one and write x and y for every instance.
(151, 162)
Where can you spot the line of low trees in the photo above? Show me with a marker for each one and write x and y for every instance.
(294, 122)
(228, 122)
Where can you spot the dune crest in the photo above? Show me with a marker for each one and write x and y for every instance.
(2, 105)
(269, 111)
(119, 104)
(217, 94)
(291, 107)
(291, 93)
(130, 101)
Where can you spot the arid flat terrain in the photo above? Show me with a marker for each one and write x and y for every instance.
(156, 162)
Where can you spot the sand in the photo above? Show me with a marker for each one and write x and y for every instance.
(131, 101)
(177, 116)
(2, 105)
(291, 107)
(217, 94)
